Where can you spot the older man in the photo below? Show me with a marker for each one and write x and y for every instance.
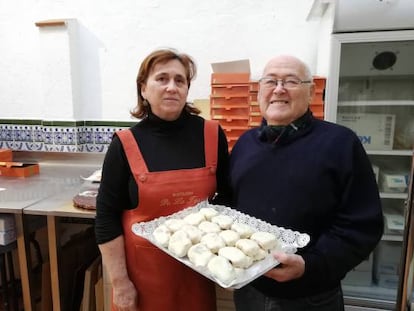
(308, 175)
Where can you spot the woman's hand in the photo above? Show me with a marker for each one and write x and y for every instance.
(125, 296)
(291, 267)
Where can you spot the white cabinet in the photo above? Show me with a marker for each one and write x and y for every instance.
(370, 89)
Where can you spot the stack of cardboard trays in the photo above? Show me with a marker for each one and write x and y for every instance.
(7, 229)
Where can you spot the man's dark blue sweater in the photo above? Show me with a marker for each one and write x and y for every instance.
(315, 178)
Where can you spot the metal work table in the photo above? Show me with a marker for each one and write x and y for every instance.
(48, 194)
(13, 205)
(54, 208)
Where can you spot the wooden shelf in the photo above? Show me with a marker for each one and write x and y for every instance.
(51, 23)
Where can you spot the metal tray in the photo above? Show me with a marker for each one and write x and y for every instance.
(289, 240)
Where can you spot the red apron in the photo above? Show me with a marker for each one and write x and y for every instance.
(162, 282)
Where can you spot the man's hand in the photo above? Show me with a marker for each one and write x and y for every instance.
(291, 267)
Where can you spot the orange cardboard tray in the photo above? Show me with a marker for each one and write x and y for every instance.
(6, 155)
(25, 170)
(230, 78)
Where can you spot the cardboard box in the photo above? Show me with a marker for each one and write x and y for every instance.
(6, 155)
(254, 86)
(319, 83)
(317, 99)
(25, 170)
(230, 90)
(252, 98)
(394, 182)
(222, 102)
(255, 120)
(394, 223)
(233, 72)
(317, 109)
(229, 78)
(376, 131)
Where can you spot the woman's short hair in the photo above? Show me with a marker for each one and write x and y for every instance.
(156, 57)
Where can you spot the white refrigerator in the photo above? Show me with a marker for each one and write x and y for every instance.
(370, 88)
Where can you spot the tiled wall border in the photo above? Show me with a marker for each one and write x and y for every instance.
(58, 136)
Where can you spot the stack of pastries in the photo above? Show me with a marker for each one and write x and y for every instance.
(215, 242)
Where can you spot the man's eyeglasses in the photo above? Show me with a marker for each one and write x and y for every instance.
(288, 83)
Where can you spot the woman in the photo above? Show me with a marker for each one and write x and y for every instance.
(170, 160)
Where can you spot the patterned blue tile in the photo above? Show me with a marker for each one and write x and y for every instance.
(6, 133)
(94, 148)
(81, 148)
(103, 135)
(17, 145)
(64, 136)
(68, 137)
(47, 135)
(80, 135)
(23, 133)
(53, 148)
(34, 146)
(38, 133)
(9, 145)
(88, 135)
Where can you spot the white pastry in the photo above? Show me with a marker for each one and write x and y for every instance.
(247, 246)
(266, 240)
(213, 241)
(261, 254)
(223, 221)
(174, 224)
(179, 243)
(162, 235)
(222, 269)
(199, 254)
(209, 227)
(208, 212)
(236, 257)
(230, 237)
(244, 230)
(193, 233)
(194, 218)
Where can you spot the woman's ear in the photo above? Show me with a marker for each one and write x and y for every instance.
(143, 91)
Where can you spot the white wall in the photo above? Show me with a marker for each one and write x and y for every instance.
(112, 38)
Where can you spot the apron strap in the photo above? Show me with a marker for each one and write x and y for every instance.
(211, 142)
(132, 151)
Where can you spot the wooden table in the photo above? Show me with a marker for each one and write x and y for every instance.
(18, 194)
(42, 194)
(56, 208)
(23, 250)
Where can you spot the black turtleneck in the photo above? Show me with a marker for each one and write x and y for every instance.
(165, 145)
